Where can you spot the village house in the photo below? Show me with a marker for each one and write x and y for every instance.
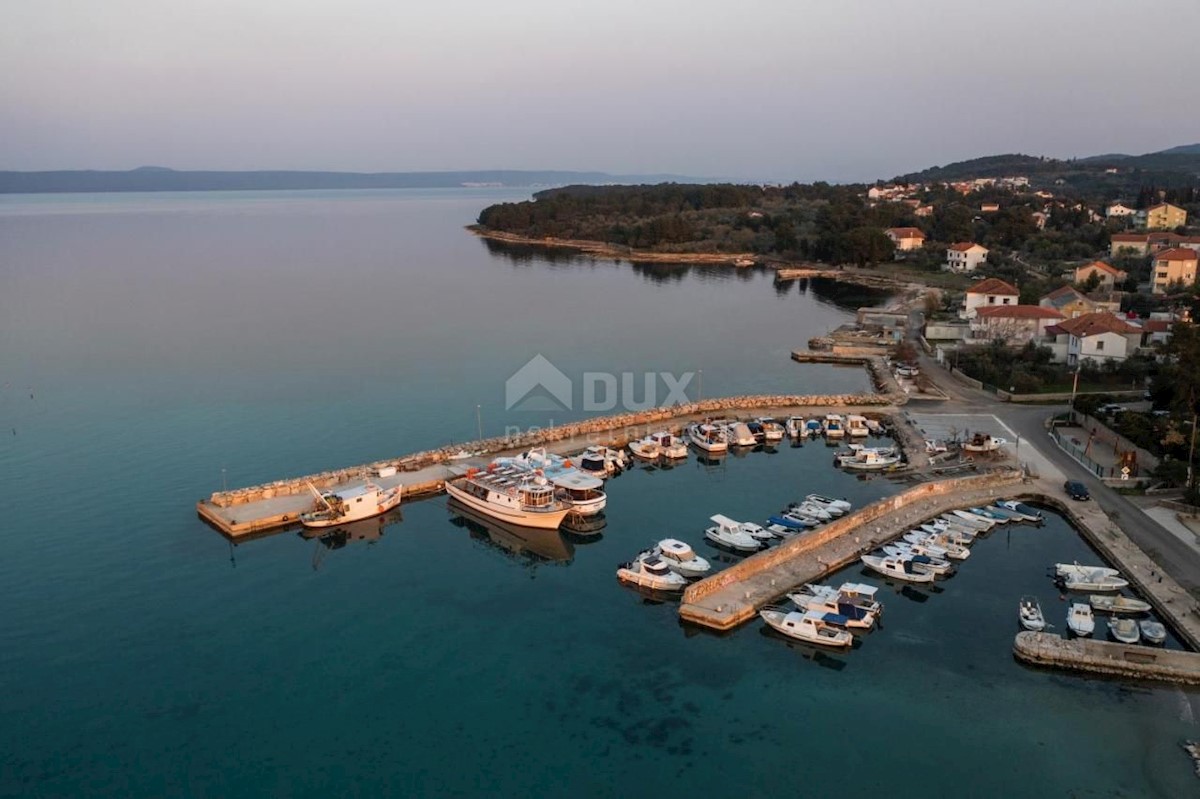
(988, 293)
(1148, 243)
(1109, 275)
(923, 210)
(1015, 325)
(906, 238)
(1164, 216)
(988, 208)
(965, 256)
(1119, 210)
(1068, 302)
(1176, 265)
(1098, 337)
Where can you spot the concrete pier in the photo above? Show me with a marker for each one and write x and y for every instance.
(735, 595)
(1103, 657)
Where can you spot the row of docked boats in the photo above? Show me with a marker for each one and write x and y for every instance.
(719, 435)
(1081, 621)
(826, 616)
(798, 517)
(667, 567)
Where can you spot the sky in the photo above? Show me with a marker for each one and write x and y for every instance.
(782, 90)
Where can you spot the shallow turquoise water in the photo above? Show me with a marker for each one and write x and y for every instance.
(163, 340)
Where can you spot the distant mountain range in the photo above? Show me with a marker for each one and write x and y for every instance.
(154, 178)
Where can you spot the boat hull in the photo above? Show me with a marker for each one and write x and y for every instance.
(545, 520)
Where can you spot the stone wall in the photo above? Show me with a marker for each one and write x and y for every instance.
(1103, 657)
(803, 544)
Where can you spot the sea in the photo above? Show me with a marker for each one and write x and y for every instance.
(155, 348)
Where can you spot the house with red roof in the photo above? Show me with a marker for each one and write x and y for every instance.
(1109, 275)
(988, 293)
(1100, 336)
(1176, 266)
(965, 256)
(906, 238)
(1015, 325)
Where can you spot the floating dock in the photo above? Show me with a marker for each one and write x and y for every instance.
(1103, 657)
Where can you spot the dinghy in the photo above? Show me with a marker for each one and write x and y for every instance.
(1080, 619)
(1030, 614)
(1118, 604)
(810, 626)
(727, 533)
(897, 568)
(1154, 632)
(1124, 630)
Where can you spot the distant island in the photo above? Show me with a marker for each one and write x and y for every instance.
(153, 178)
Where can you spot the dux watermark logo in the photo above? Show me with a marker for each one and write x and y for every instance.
(539, 385)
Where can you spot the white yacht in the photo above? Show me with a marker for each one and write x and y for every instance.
(833, 426)
(647, 449)
(728, 533)
(1029, 613)
(794, 426)
(511, 495)
(681, 558)
(707, 437)
(809, 626)
(1080, 619)
(350, 504)
(856, 426)
(651, 571)
(898, 568)
(669, 445)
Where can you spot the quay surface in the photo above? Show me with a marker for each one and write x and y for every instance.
(1103, 657)
(735, 595)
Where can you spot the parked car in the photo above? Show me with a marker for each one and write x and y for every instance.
(1076, 490)
(1112, 408)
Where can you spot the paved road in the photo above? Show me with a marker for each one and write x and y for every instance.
(1029, 421)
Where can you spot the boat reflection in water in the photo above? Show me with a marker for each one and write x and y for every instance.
(583, 529)
(331, 538)
(530, 545)
(819, 655)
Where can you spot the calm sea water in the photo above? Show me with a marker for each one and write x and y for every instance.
(147, 343)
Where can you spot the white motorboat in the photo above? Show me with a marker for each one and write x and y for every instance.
(681, 558)
(1080, 619)
(952, 523)
(793, 521)
(898, 568)
(350, 504)
(809, 626)
(868, 459)
(757, 532)
(1095, 581)
(813, 428)
(968, 516)
(794, 426)
(833, 427)
(968, 523)
(707, 437)
(861, 595)
(781, 531)
(511, 495)
(1030, 514)
(920, 561)
(669, 445)
(738, 434)
(830, 503)
(811, 510)
(875, 427)
(583, 493)
(828, 600)
(1124, 630)
(1064, 569)
(772, 430)
(937, 543)
(647, 449)
(991, 513)
(856, 426)
(1118, 604)
(651, 571)
(1030, 614)
(602, 462)
(728, 533)
(1154, 632)
(534, 459)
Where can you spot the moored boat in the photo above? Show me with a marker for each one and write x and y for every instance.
(1064, 569)
(647, 449)
(1118, 604)
(813, 428)
(350, 504)
(868, 459)
(651, 571)
(1029, 612)
(1080, 619)
(602, 462)
(856, 426)
(936, 541)
(681, 558)
(898, 568)
(828, 600)
(833, 427)
(829, 502)
(728, 533)
(517, 497)
(707, 437)
(1096, 581)
(794, 426)
(793, 522)
(583, 493)
(1153, 631)
(669, 445)
(1030, 514)
(991, 513)
(808, 626)
(1123, 630)
(920, 561)
(986, 522)
(738, 434)
(772, 429)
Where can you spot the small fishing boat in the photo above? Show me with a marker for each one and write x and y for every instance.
(1124, 630)
(991, 513)
(757, 532)
(808, 626)
(1118, 604)
(856, 426)
(647, 449)
(772, 429)
(829, 502)
(782, 531)
(861, 595)
(728, 533)
(794, 426)
(1080, 619)
(1095, 581)
(898, 568)
(834, 508)
(970, 517)
(707, 437)
(350, 504)
(681, 558)
(1154, 632)
(920, 560)
(757, 430)
(937, 542)
(953, 522)
(868, 460)
(982, 442)
(794, 523)
(738, 434)
(1029, 513)
(810, 509)
(669, 445)
(828, 600)
(875, 427)
(813, 428)
(651, 571)
(1064, 569)
(833, 427)
(1030, 614)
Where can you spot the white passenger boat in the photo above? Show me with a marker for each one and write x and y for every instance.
(829, 503)
(681, 558)
(647, 449)
(1124, 630)
(1154, 632)
(1118, 604)
(738, 435)
(651, 571)
(511, 495)
(583, 493)
(1030, 614)
(350, 504)
(856, 426)
(794, 426)
(1030, 514)
(772, 430)
(810, 626)
(707, 437)
(897, 568)
(669, 445)
(833, 427)
(828, 600)
(728, 533)
(920, 561)
(1080, 619)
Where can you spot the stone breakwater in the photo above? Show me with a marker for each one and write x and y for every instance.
(1103, 657)
(734, 595)
(590, 429)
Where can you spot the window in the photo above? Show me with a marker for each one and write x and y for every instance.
(1099, 346)
(991, 300)
(1006, 299)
